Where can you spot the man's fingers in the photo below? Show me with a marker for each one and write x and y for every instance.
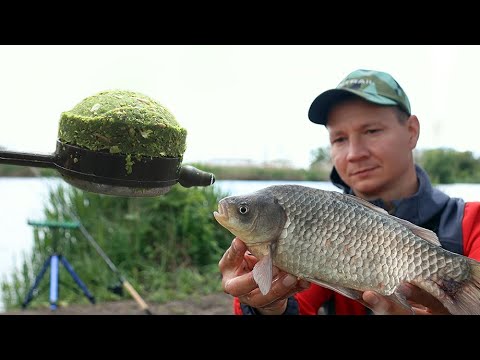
(422, 303)
(299, 286)
(282, 287)
(383, 306)
(250, 260)
(419, 296)
(243, 284)
(236, 267)
(278, 306)
(233, 257)
(303, 284)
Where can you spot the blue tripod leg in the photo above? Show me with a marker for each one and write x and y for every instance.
(29, 296)
(77, 279)
(54, 282)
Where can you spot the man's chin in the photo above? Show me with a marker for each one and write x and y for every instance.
(366, 188)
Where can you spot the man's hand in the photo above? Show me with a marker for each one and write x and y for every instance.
(422, 302)
(236, 268)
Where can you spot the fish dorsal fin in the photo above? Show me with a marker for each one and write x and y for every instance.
(350, 293)
(367, 204)
(262, 273)
(426, 234)
(417, 230)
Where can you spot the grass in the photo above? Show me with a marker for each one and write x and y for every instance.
(167, 247)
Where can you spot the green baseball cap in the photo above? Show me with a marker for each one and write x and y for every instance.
(374, 86)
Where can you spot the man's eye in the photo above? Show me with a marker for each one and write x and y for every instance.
(338, 140)
(372, 131)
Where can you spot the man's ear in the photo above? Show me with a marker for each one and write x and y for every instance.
(414, 130)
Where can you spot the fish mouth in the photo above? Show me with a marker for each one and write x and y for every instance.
(222, 214)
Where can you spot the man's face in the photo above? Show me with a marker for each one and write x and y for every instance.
(370, 148)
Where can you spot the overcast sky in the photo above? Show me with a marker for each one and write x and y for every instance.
(236, 102)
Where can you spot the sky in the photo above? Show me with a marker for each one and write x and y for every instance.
(237, 102)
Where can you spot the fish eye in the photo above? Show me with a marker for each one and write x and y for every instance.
(243, 209)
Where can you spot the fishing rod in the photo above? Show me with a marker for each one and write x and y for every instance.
(143, 305)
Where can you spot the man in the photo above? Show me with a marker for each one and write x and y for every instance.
(372, 136)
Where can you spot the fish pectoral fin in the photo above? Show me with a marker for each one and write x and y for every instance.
(262, 274)
(348, 292)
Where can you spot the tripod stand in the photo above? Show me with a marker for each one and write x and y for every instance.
(53, 261)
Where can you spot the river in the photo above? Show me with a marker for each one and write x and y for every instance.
(22, 199)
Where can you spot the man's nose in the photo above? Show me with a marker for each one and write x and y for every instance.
(357, 150)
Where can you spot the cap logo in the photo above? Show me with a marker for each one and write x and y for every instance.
(355, 83)
(376, 87)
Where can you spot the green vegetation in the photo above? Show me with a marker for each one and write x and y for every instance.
(319, 170)
(448, 166)
(167, 247)
(14, 170)
(254, 172)
(25, 171)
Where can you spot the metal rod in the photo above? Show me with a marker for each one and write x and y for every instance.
(27, 159)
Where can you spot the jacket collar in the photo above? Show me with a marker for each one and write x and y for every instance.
(418, 208)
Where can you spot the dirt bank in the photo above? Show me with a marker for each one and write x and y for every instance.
(215, 304)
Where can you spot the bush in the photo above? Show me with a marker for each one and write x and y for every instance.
(167, 247)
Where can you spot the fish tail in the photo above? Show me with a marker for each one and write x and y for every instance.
(463, 298)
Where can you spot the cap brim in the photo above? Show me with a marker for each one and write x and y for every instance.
(320, 107)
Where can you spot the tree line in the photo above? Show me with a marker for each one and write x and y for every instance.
(444, 166)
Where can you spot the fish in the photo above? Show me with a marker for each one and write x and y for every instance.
(346, 244)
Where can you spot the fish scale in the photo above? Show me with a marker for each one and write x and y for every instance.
(352, 227)
(348, 244)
